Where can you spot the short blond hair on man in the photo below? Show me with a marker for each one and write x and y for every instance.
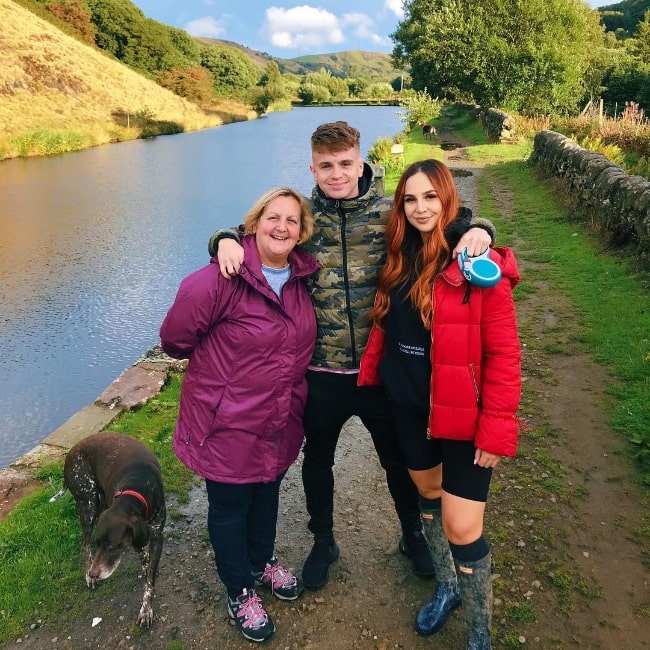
(335, 136)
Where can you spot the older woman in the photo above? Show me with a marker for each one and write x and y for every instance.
(249, 341)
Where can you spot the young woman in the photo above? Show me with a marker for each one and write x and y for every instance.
(448, 354)
(249, 341)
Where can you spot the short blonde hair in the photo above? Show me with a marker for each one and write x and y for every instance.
(252, 217)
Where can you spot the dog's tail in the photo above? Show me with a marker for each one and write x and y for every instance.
(59, 494)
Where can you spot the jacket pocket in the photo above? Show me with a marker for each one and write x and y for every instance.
(213, 422)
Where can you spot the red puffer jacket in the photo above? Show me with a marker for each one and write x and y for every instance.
(244, 391)
(475, 358)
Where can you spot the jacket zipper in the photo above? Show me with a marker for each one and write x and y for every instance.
(472, 372)
(346, 284)
(433, 297)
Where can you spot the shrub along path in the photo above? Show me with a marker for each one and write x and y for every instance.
(566, 521)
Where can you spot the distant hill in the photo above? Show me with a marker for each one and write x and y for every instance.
(373, 65)
(50, 80)
(625, 15)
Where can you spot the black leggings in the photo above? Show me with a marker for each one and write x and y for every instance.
(460, 476)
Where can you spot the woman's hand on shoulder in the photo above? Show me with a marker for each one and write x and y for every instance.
(475, 240)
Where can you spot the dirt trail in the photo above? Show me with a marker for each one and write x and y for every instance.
(575, 561)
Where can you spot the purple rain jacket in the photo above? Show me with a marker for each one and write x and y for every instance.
(244, 391)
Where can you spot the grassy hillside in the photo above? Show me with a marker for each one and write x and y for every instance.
(374, 65)
(55, 88)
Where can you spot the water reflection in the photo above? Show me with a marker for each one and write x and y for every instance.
(94, 244)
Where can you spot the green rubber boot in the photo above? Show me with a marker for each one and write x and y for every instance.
(446, 597)
(475, 582)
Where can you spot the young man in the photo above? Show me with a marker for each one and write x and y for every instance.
(348, 240)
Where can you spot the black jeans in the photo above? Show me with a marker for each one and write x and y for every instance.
(242, 522)
(332, 400)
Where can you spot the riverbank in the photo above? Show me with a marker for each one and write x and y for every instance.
(134, 387)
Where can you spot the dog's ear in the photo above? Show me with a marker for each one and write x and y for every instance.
(139, 532)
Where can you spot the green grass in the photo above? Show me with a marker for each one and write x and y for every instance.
(43, 142)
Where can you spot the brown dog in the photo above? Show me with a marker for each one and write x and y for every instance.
(117, 487)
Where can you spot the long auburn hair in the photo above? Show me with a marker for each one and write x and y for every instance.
(409, 257)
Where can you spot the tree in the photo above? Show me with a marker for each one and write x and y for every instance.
(139, 42)
(418, 107)
(642, 39)
(310, 93)
(195, 84)
(337, 88)
(234, 74)
(272, 84)
(628, 75)
(357, 85)
(624, 17)
(379, 90)
(73, 13)
(523, 56)
(185, 44)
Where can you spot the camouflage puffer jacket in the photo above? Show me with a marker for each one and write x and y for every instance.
(349, 243)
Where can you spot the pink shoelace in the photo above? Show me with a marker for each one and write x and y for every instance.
(278, 576)
(251, 609)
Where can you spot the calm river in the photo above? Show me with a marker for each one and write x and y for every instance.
(94, 244)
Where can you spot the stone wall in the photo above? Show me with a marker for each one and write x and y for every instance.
(500, 126)
(607, 196)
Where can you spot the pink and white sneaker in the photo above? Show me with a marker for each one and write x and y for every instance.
(282, 583)
(250, 616)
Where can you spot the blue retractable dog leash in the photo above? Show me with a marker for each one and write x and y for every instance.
(480, 270)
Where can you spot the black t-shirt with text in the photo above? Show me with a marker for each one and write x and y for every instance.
(406, 368)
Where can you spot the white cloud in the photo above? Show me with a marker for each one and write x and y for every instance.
(361, 24)
(207, 26)
(302, 27)
(363, 27)
(395, 6)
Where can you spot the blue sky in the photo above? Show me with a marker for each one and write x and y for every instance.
(288, 28)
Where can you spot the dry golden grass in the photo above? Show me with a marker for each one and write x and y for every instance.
(51, 82)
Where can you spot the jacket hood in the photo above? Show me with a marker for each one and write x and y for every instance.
(367, 193)
(458, 227)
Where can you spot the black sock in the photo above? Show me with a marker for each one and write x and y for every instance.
(430, 505)
(473, 552)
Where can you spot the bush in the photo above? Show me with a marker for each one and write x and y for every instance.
(418, 106)
(381, 154)
(380, 151)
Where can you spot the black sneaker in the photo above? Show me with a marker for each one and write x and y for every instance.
(316, 568)
(282, 583)
(250, 617)
(415, 547)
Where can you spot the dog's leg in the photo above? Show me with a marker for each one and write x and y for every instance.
(150, 558)
(83, 487)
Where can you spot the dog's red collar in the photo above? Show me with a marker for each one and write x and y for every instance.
(138, 496)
